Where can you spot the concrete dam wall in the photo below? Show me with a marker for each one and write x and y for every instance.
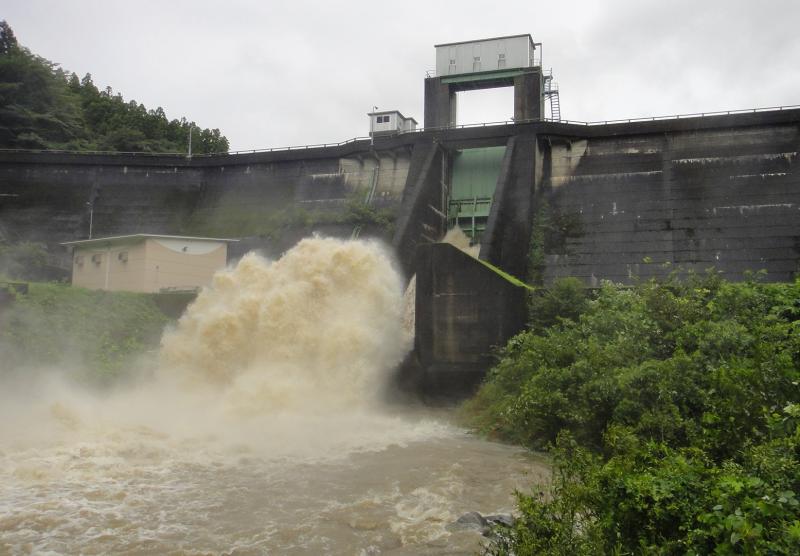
(621, 206)
(50, 198)
(605, 202)
(620, 202)
(616, 201)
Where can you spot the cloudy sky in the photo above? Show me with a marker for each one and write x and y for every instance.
(269, 73)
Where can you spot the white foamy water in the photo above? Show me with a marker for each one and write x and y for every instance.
(261, 431)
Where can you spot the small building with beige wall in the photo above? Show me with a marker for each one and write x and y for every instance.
(147, 263)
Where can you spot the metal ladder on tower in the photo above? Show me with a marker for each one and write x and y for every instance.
(551, 94)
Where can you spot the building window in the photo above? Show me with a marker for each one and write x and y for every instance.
(476, 63)
(97, 258)
(501, 60)
(122, 256)
(79, 260)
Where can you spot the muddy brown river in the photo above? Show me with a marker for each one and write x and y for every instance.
(137, 491)
(257, 428)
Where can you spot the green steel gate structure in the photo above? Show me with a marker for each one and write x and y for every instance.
(474, 178)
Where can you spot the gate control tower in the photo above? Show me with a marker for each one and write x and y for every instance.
(512, 61)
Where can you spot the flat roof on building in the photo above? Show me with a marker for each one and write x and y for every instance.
(136, 237)
(382, 112)
(484, 40)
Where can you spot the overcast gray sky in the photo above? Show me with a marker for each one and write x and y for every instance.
(271, 74)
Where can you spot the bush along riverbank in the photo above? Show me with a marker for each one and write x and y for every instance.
(672, 412)
(94, 337)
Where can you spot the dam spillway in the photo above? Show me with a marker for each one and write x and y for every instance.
(691, 191)
(617, 201)
(260, 426)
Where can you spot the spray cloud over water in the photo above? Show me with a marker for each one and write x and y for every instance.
(285, 358)
(319, 328)
(260, 432)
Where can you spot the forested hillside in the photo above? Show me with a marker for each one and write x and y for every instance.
(43, 106)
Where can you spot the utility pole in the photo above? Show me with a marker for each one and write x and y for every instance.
(90, 204)
(372, 127)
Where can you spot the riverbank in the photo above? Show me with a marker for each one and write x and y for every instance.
(672, 411)
(94, 337)
(259, 425)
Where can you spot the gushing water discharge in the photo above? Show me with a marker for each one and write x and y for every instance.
(319, 329)
(261, 430)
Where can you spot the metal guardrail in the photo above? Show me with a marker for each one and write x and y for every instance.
(684, 116)
(295, 147)
(607, 122)
(64, 151)
(421, 130)
(154, 154)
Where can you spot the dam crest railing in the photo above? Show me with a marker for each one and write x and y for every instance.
(420, 130)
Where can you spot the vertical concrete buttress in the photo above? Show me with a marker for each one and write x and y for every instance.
(506, 240)
(419, 219)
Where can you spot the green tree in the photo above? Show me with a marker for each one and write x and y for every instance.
(36, 109)
(44, 107)
(8, 42)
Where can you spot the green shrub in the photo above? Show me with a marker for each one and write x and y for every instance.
(680, 401)
(98, 334)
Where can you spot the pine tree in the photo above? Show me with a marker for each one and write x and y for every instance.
(8, 42)
(44, 107)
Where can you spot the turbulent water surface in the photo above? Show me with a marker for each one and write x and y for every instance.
(260, 431)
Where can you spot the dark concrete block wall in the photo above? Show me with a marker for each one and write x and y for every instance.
(47, 202)
(441, 98)
(419, 220)
(529, 95)
(463, 311)
(692, 192)
(611, 202)
(506, 241)
(441, 104)
(616, 202)
(491, 248)
(622, 207)
(45, 195)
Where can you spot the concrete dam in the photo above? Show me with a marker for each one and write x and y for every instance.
(542, 199)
